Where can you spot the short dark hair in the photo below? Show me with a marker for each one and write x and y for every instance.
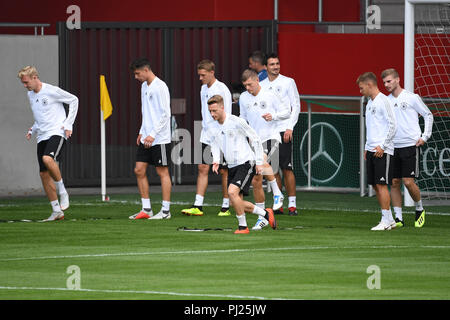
(139, 64)
(273, 55)
(258, 56)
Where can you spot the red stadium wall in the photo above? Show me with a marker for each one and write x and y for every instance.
(320, 63)
(330, 63)
(50, 11)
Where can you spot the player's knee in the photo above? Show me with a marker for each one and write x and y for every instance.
(203, 169)
(257, 181)
(395, 183)
(408, 182)
(139, 171)
(47, 160)
(233, 193)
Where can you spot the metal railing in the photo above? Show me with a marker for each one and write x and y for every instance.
(26, 25)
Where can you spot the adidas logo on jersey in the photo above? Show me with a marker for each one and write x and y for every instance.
(412, 173)
(382, 179)
(238, 182)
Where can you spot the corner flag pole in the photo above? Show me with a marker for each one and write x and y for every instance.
(105, 112)
(103, 155)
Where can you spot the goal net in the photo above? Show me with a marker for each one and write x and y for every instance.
(432, 83)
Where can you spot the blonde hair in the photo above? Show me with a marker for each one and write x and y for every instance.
(207, 65)
(389, 72)
(367, 77)
(249, 73)
(215, 99)
(28, 71)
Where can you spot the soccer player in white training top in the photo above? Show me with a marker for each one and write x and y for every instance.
(153, 140)
(262, 109)
(233, 136)
(286, 89)
(379, 148)
(407, 141)
(52, 128)
(210, 86)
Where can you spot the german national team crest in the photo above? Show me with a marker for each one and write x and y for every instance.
(44, 101)
(263, 104)
(404, 105)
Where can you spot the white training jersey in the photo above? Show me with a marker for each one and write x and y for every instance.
(407, 107)
(286, 88)
(380, 124)
(156, 113)
(217, 88)
(48, 111)
(253, 107)
(231, 138)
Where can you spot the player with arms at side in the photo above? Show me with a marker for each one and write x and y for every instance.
(232, 136)
(379, 148)
(407, 141)
(286, 89)
(210, 86)
(153, 140)
(52, 128)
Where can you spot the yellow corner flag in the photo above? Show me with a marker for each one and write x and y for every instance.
(105, 101)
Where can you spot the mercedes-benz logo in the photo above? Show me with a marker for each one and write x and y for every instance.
(327, 152)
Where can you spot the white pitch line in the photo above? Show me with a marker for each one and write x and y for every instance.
(89, 204)
(121, 254)
(209, 295)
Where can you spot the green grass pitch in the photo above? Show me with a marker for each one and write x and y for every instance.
(326, 252)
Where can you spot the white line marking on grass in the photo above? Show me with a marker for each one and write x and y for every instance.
(187, 203)
(208, 295)
(122, 254)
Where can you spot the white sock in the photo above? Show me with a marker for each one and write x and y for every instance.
(166, 205)
(261, 205)
(387, 216)
(55, 206)
(60, 187)
(259, 211)
(146, 204)
(241, 220)
(398, 213)
(225, 203)
(292, 202)
(198, 200)
(419, 206)
(274, 186)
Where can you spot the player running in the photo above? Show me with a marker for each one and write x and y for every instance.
(52, 127)
(233, 136)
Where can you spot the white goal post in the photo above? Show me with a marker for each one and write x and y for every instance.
(409, 59)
